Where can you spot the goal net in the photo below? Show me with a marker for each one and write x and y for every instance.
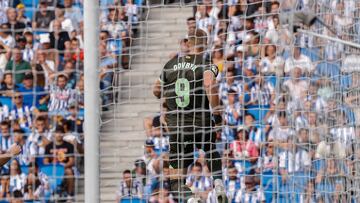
(42, 101)
(254, 108)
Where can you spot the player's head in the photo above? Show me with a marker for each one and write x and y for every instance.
(197, 41)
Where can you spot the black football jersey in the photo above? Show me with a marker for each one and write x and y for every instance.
(185, 96)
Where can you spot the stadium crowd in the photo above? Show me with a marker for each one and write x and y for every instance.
(290, 107)
(42, 91)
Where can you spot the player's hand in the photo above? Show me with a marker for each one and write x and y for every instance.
(14, 150)
(217, 119)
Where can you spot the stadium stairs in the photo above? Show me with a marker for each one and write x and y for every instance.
(122, 131)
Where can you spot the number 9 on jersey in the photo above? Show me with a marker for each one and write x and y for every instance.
(182, 90)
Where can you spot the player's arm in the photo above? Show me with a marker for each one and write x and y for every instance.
(212, 91)
(157, 89)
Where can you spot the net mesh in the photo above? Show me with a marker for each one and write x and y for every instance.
(41, 97)
(288, 102)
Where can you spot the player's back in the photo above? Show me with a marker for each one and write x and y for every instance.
(184, 93)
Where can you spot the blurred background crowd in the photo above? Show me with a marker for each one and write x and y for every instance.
(290, 107)
(42, 91)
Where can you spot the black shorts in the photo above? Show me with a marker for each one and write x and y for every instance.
(184, 141)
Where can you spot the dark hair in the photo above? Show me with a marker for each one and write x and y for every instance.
(62, 76)
(105, 31)
(75, 39)
(20, 131)
(40, 118)
(231, 91)
(59, 129)
(275, 3)
(190, 19)
(7, 123)
(156, 122)
(60, 6)
(249, 114)
(127, 171)
(197, 164)
(17, 194)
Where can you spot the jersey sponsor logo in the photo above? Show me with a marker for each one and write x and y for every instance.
(184, 65)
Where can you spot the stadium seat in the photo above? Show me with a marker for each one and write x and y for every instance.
(29, 12)
(6, 101)
(55, 174)
(327, 69)
(312, 53)
(258, 111)
(132, 200)
(24, 169)
(30, 3)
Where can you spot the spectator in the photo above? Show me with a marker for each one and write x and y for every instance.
(32, 94)
(39, 138)
(116, 28)
(7, 86)
(5, 36)
(4, 5)
(17, 197)
(296, 86)
(250, 193)
(37, 184)
(78, 53)
(299, 60)
(17, 178)
(129, 187)
(62, 152)
(262, 93)
(256, 133)
(267, 162)
(293, 160)
(233, 184)
(21, 111)
(17, 65)
(28, 52)
(243, 148)
(59, 39)
(131, 12)
(75, 120)
(43, 17)
(5, 54)
(271, 64)
(20, 138)
(21, 15)
(60, 95)
(6, 140)
(13, 24)
(233, 112)
(198, 182)
(65, 23)
(73, 13)
(282, 133)
(139, 173)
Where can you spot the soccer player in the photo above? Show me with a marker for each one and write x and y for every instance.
(188, 86)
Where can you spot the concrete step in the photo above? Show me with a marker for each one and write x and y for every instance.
(138, 92)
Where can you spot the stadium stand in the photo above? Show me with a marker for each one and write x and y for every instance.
(294, 96)
(42, 91)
